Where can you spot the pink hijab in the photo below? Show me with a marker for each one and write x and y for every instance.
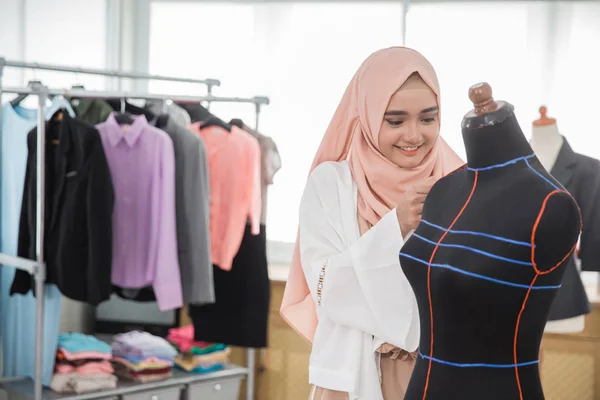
(353, 135)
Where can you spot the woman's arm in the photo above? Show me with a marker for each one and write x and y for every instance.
(360, 284)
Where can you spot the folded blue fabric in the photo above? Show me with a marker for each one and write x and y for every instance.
(75, 341)
(204, 370)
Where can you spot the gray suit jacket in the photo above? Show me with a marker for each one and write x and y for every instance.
(580, 175)
(192, 196)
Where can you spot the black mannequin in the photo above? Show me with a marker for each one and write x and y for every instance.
(477, 275)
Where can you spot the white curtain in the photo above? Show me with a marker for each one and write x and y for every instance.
(64, 32)
(473, 42)
(301, 55)
(532, 54)
(574, 96)
(573, 99)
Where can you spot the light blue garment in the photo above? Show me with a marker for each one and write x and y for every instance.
(18, 311)
(75, 341)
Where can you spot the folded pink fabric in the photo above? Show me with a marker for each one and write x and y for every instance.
(184, 338)
(91, 368)
(148, 363)
(84, 355)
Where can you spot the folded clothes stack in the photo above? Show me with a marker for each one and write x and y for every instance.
(142, 357)
(197, 357)
(82, 365)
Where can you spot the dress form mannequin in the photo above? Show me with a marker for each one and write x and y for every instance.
(546, 139)
(485, 263)
(547, 142)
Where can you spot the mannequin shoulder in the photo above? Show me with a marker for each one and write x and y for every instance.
(560, 209)
(452, 183)
(556, 230)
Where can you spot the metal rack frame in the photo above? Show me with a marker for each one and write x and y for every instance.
(102, 72)
(37, 268)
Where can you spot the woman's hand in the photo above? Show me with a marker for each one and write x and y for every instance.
(411, 207)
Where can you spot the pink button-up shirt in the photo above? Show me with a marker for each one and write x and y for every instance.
(142, 165)
(234, 171)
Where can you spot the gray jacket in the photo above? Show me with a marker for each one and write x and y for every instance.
(192, 196)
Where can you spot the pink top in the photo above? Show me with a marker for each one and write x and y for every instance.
(234, 173)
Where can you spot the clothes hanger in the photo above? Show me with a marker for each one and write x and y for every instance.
(237, 122)
(214, 121)
(196, 111)
(161, 120)
(123, 117)
(19, 99)
(56, 117)
(77, 86)
(123, 106)
(74, 99)
(60, 114)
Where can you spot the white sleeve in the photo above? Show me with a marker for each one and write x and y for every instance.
(360, 284)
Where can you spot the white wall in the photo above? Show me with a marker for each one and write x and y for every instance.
(11, 35)
(65, 32)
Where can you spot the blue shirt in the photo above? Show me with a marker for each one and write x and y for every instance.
(17, 326)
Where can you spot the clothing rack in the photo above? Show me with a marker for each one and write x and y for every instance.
(102, 72)
(37, 268)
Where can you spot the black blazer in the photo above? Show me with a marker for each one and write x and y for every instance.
(580, 175)
(78, 213)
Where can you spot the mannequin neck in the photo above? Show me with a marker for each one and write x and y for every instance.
(542, 134)
(546, 141)
(495, 144)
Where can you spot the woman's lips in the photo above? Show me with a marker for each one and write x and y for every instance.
(409, 150)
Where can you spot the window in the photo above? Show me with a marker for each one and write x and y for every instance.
(574, 97)
(531, 53)
(468, 46)
(303, 54)
(300, 55)
(199, 45)
(79, 40)
(575, 82)
(28, 32)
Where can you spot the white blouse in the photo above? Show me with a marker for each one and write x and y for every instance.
(363, 297)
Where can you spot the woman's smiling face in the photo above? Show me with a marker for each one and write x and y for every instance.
(410, 124)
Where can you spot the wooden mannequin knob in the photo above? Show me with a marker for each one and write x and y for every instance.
(481, 97)
(544, 120)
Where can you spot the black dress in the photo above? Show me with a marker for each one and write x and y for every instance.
(239, 316)
(485, 264)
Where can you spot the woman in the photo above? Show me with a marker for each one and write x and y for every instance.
(379, 157)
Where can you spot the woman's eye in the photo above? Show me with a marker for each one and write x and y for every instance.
(395, 123)
(428, 120)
